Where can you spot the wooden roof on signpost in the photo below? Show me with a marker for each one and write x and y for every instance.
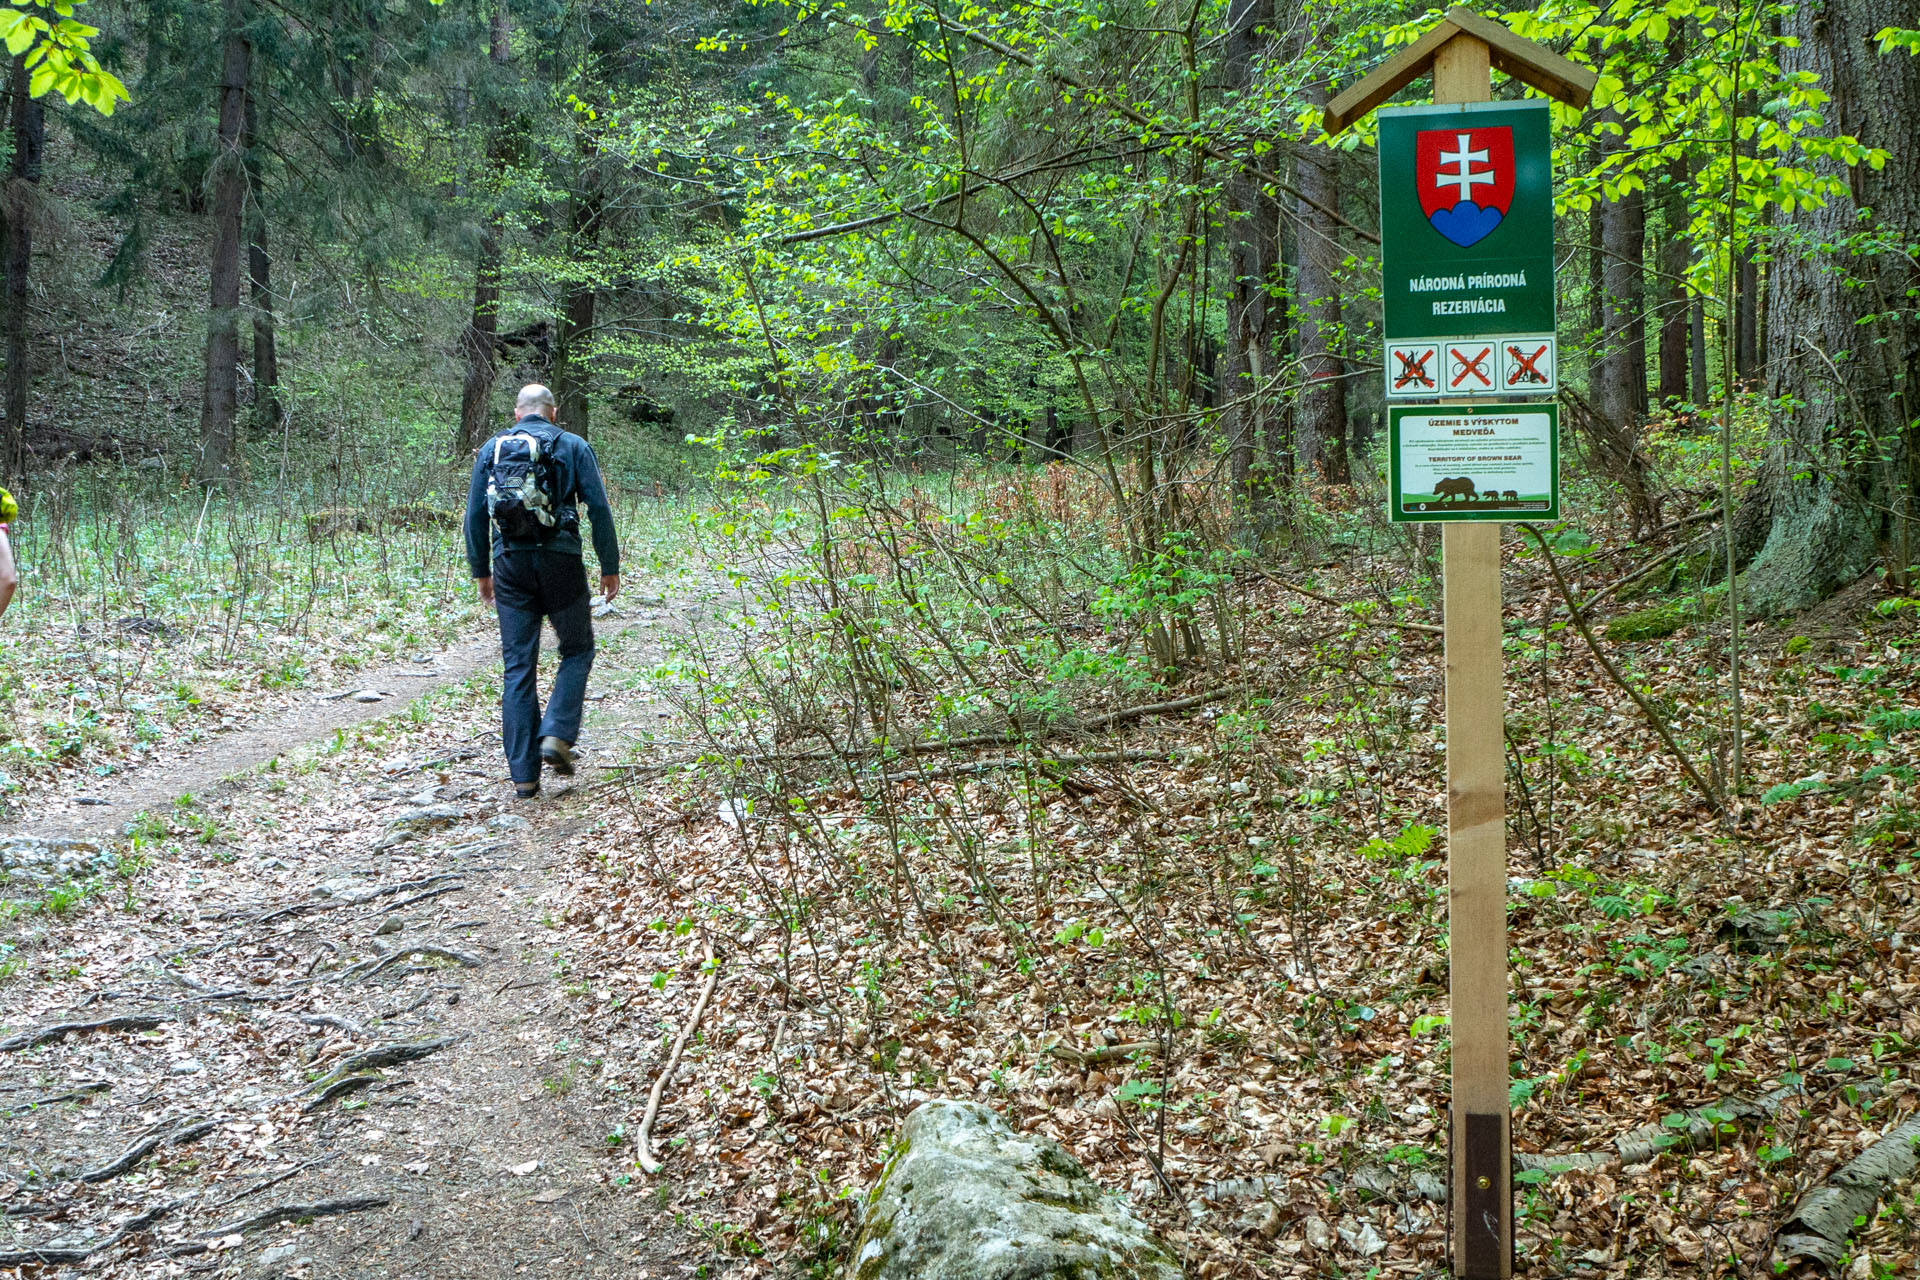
(1517, 56)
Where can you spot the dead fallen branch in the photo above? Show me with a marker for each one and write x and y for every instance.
(1044, 763)
(1103, 1053)
(1657, 721)
(1818, 1228)
(1425, 628)
(277, 1179)
(1096, 723)
(71, 1095)
(423, 896)
(1695, 1128)
(644, 1142)
(125, 1022)
(298, 1213)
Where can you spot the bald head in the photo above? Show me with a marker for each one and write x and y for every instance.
(534, 398)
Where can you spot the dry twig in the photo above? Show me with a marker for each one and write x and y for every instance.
(644, 1141)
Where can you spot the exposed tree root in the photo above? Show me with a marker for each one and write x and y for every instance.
(340, 1089)
(368, 968)
(141, 1149)
(80, 1253)
(125, 1022)
(298, 1213)
(71, 1095)
(380, 1057)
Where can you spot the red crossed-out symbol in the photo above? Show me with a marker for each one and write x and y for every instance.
(1528, 370)
(1412, 372)
(1477, 366)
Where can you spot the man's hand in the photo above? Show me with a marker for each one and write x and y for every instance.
(486, 588)
(609, 586)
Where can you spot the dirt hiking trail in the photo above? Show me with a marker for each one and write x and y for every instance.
(325, 1032)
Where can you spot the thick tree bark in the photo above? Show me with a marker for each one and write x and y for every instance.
(477, 341)
(266, 352)
(1616, 406)
(1247, 277)
(29, 146)
(1746, 319)
(1844, 344)
(1321, 429)
(1620, 375)
(219, 401)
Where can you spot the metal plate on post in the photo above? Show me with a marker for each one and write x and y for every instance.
(1486, 1199)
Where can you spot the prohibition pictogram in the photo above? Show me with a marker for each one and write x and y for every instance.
(1412, 372)
(1465, 366)
(1524, 368)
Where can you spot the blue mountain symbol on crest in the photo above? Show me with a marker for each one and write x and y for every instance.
(1466, 223)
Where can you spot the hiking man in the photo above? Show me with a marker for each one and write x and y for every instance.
(527, 484)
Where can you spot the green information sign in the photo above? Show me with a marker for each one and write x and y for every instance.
(1466, 250)
(1473, 462)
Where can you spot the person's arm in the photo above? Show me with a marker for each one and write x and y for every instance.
(479, 536)
(9, 576)
(606, 540)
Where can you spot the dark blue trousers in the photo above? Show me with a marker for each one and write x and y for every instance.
(528, 587)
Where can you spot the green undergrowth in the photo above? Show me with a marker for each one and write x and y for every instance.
(152, 615)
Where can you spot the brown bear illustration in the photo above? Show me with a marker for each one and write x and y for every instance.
(1511, 496)
(1461, 488)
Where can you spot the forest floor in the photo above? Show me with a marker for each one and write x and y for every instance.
(1195, 933)
(339, 878)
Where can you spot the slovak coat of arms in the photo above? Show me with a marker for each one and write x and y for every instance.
(1465, 180)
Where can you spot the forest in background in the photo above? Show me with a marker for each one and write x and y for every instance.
(1060, 721)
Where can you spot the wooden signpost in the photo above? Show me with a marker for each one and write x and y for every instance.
(1462, 51)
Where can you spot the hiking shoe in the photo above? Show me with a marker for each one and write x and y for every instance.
(526, 790)
(558, 755)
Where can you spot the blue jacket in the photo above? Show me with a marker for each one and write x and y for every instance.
(577, 473)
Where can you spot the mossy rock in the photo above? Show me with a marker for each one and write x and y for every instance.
(1656, 623)
(965, 1197)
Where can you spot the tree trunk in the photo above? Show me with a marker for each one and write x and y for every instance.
(1697, 339)
(1844, 350)
(219, 401)
(1746, 317)
(1618, 375)
(477, 341)
(266, 353)
(1619, 379)
(29, 146)
(579, 295)
(1321, 429)
(1675, 254)
(1611, 414)
(1246, 285)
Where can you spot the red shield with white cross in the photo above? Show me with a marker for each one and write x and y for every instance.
(1465, 180)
